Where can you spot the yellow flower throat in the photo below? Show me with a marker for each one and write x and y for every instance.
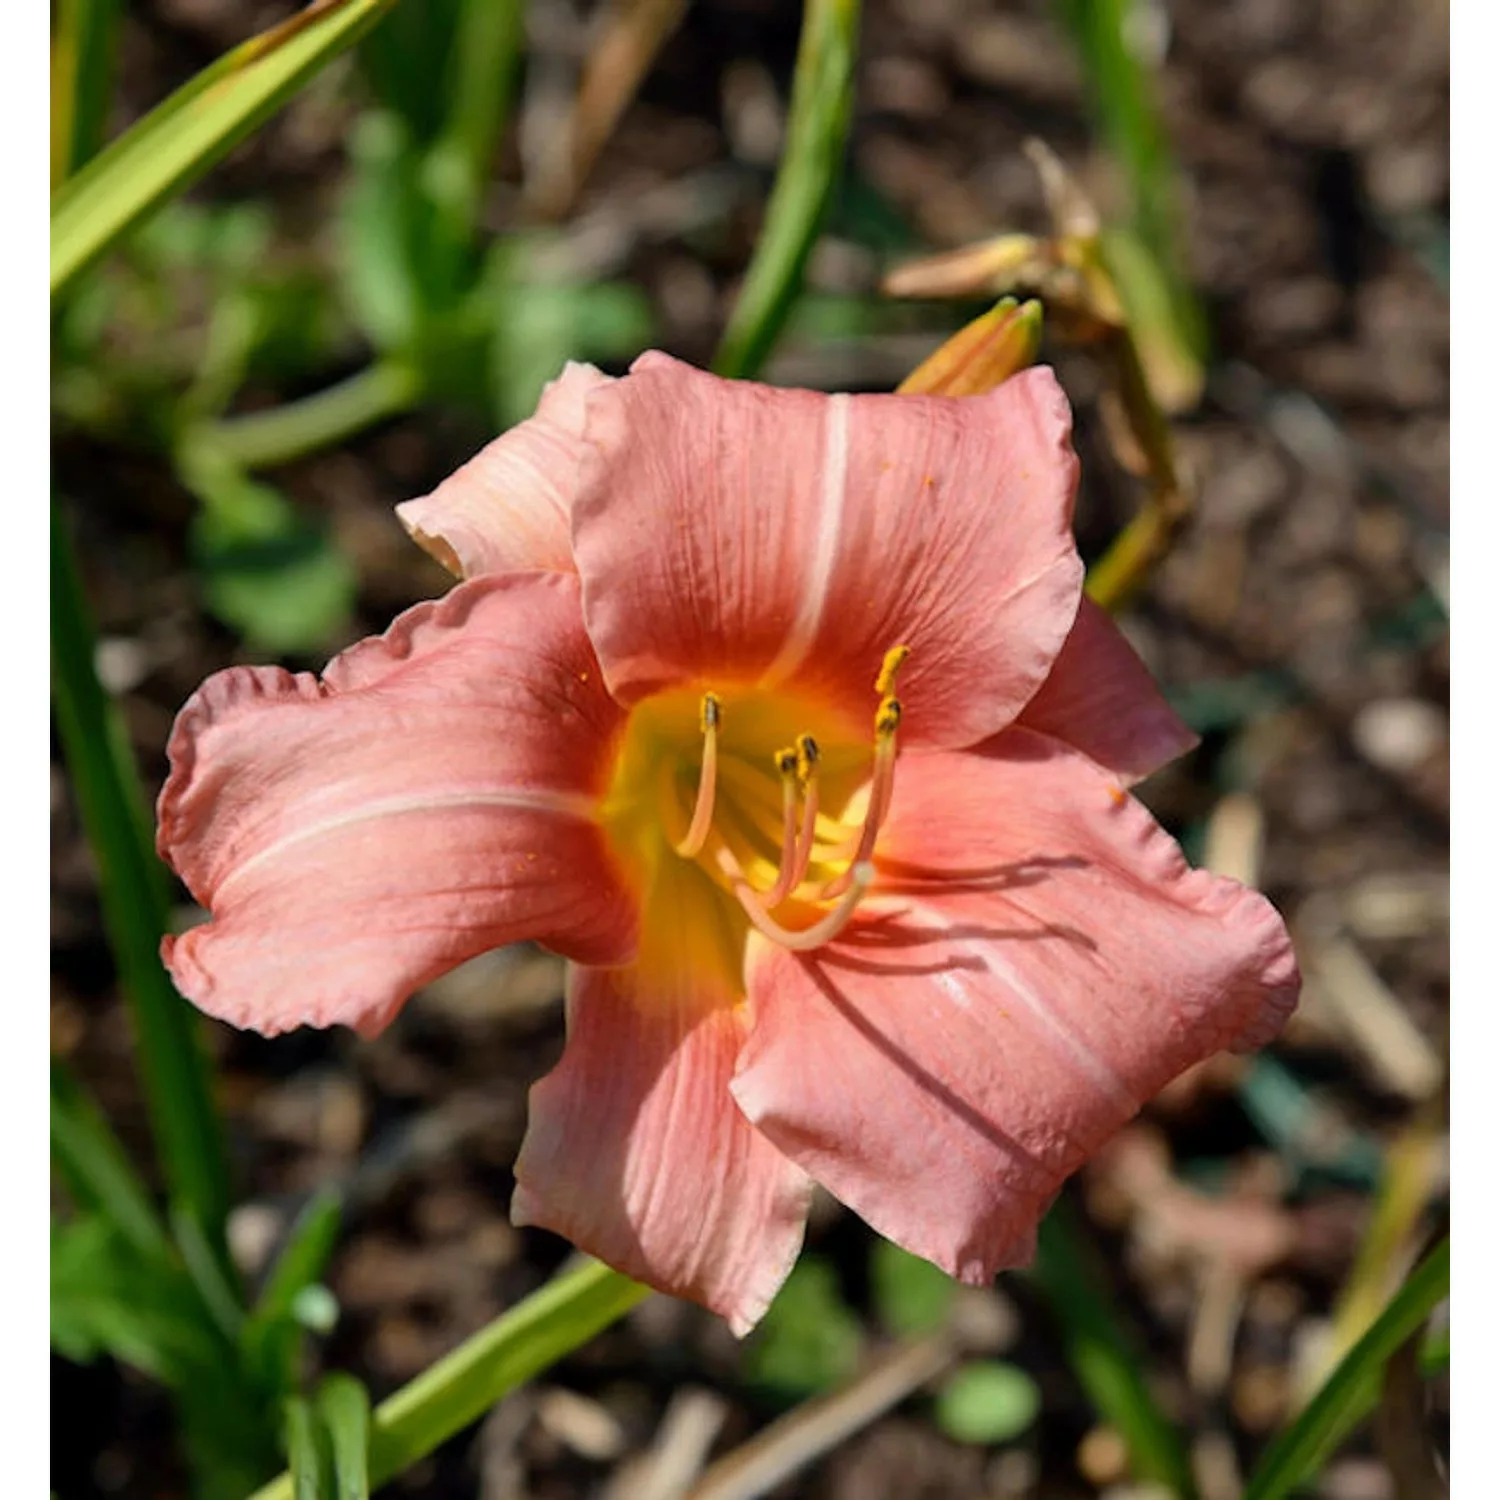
(761, 805)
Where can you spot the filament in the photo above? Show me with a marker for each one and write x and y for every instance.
(692, 841)
(796, 841)
(786, 763)
(882, 783)
(798, 940)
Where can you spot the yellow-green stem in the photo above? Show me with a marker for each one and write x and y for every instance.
(463, 1385)
(264, 439)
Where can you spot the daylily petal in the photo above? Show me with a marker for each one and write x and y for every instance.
(507, 509)
(636, 1152)
(1100, 699)
(728, 531)
(430, 798)
(1037, 960)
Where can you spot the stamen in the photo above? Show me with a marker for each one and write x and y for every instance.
(807, 775)
(883, 775)
(798, 941)
(887, 722)
(796, 843)
(693, 840)
(786, 764)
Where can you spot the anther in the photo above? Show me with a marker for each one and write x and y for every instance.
(883, 774)
(709, 713)
(807, 757)
(891, 664)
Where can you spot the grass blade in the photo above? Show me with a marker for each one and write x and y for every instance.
(817, 126)
(302, 1261)
(305, 1451)
(459, 1388)
(1346, 1396)
(98, 1174)
(1101, 1356)
(272, 1337)
(343, 1405)
(1121, 88)
(482, 75)
(133, 891)
(194, 128)
(83, 57)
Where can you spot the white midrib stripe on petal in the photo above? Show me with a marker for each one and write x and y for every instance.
(832, 489)
(521, 799)
(988, 956)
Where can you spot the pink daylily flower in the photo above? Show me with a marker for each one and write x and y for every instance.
(656, 728)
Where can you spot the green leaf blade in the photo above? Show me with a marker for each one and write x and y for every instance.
(83, 57)
(194, 128)
(97, 1172)
(133, 889)
(817, 129)
(462, 1386)
(1102, 1357)
(1346, 1395)
(305, 1449)
(343, 1406)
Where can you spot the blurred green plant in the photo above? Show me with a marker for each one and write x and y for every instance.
(987, 1401)
(133, 889)
(158, 347)
(1349, 1392)
(809, 1341)
(911, 1295)
(1103, 1356)
(1147, 258)
(983, 1400)
(197, 126)
(83, 49)
(121, 1285)
(463, 1385)
(817, 129)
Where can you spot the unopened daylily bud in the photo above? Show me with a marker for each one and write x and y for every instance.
(991, 266)
(982, 354)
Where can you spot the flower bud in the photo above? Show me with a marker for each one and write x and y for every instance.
(982, 354)
(990, 266)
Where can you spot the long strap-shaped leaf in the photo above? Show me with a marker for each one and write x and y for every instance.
(197, 126)
(817, 127)
(1102, 1357)
(83, 49)
(133, 891)
(1330, 1416)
